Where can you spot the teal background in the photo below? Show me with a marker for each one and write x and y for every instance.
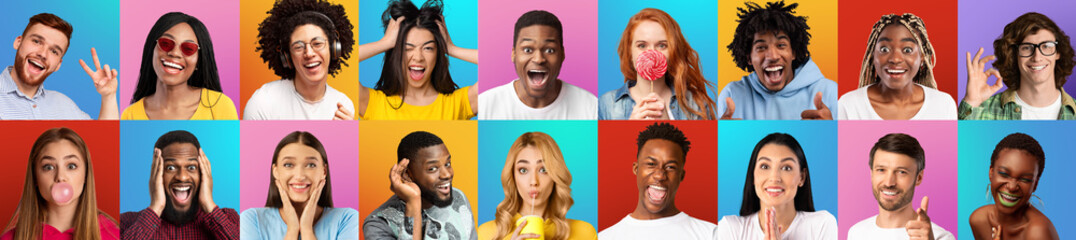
(738, 138)
(96, 24)
(977, 142)
(578, 142)
(698, 23)
(219, 139)
(461, 20)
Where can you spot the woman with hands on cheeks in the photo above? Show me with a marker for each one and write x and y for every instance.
(299, 204)
(777, 201)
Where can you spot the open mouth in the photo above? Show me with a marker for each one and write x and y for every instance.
(656, 194)
(889, 194)
(36, 66)
(775, 191)
(312, 65)
(416, 72)
(299, 187)
(182, 193)
(1008, 199)
(172, 67)
(773, 74)
(445, 188)
(1037, 68)
(537, 78)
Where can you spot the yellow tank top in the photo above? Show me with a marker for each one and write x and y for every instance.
(212, 106)
(453, 106)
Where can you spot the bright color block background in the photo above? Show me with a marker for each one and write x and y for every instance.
(738, 138)
(983, 21)
(617, 149)
(461, 19)
(823, 47)
(377, 151)
(219, 17)
(977, 141)
(102, 139)
(577, 140)
(580, 66)
(256, 72)
(219, 140)
(857, 18)
(96, 25)
(696, 20)
(259, 139)
(938, 139)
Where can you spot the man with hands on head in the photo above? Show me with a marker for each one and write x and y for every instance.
(424, 204)
(39, 53)
(897, 162)
(181, 190)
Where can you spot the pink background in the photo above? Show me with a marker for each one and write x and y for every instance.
(220, 17)
(259, 139)
(497, 20)
(938, 139)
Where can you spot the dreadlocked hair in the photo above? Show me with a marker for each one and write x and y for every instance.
(917, 27)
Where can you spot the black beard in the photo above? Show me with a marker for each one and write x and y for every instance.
(431, 196)
(179, 218)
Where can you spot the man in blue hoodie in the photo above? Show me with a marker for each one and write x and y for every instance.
(784, 83)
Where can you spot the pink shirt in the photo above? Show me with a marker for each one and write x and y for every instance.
(109, 231)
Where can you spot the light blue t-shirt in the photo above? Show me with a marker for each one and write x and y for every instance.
(266, 223)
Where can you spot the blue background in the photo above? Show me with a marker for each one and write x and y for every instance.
(697, 21)
(461, 20)
(738, 139)
(96, 24)
(219, 140)
(578, 143)
(977, 141)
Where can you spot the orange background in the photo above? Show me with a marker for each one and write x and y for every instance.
(102, 139)
(253, 72)
(820, 17)
(378, 141)
(939, 17)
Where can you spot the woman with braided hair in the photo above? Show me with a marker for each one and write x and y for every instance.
(896, 80)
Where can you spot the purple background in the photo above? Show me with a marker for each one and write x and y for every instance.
(497, 25)
(938, 139)
(258, 140)
(983, 21)
(220, 17)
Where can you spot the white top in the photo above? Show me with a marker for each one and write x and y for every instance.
(278, 100)
(679, 226)
(867, 229)
(806, 225)
(502, 103)
(937, 105)
(1028, 112)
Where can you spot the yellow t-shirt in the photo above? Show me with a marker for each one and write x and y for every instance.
(454, 106)
(212, 106)
(580, 230)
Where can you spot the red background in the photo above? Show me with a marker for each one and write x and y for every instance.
(617, 192)
(102, 139)
(939, 17)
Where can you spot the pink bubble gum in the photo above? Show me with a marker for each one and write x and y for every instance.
(651, 65)
(61, 192)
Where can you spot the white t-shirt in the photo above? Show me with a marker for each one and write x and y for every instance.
(1028, 112)
(502, 103)
(867, 229)
(278, 100)
(679, 226)
(937, 105)
(818, 225)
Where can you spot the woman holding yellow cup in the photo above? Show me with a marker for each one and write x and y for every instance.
(537, 195)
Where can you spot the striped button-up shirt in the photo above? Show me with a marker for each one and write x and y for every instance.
(45, 105)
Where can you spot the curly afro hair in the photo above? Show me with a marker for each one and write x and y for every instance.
(274, 32)
(775, 17)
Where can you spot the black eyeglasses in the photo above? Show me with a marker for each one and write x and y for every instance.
(1046, 48)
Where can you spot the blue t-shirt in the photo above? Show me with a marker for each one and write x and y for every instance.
(266, 223)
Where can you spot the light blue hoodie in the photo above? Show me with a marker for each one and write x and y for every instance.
(755, 102)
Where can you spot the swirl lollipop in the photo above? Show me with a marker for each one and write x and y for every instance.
(651, 65)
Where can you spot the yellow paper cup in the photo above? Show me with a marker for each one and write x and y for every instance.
(535, 225)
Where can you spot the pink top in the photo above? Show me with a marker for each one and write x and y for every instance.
(109, 231)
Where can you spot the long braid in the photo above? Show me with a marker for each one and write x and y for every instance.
(917, 27)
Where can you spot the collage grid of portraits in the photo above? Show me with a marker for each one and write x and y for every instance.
(617, 166)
